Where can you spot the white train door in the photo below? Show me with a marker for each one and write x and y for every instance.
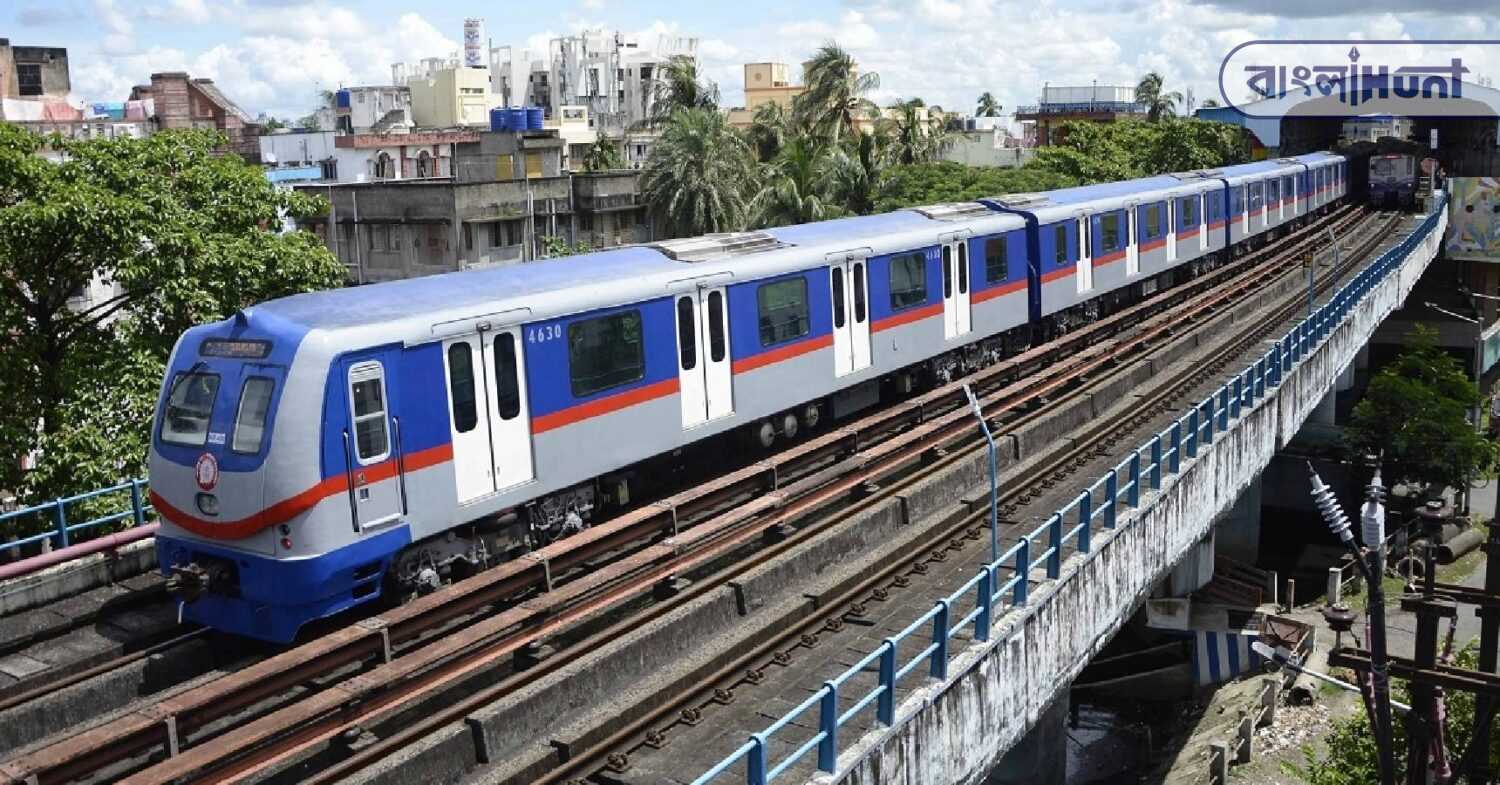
(956, 314)
(368, 443)
(1201, 214)
(704, 378)
(851, 316)
(1085, 268)
(1172, 229)
(1132, 242)
(510, 419)
(468, 417)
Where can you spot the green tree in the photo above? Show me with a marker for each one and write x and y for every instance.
(554, 246)
(603, 155)
(850, 174)
(946, 181)
(1415, 414)
(834, 100)
(769, 130)
(1158, 104)
(1104, 152)
(790, 192)
(681, 87)
(912, 138)
(700, 175)
(177, 234)
(988, 106)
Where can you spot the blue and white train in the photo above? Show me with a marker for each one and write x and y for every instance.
(315, 452)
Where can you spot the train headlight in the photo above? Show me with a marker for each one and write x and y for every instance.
(208, 504)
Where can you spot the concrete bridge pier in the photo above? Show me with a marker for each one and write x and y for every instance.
(1041, 755)
(1237, 534)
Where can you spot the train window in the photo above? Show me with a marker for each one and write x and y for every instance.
(995, 269)
(1153, 221)
(188, 409)
(1187, 211)
(250, 419)
(908, 280)
(963, 267)
(1257, 198)
(1060, 244)
(716, 326)
(783, 310)
(605, 352)
(838, 296)
(859, 292)
(367, 394)
(947, 273)
(507, 380)
(687, 334)
(1109, 232)
(461, 386)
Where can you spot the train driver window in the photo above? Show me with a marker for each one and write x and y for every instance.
(367, 396)
(250, 419)
(189, 407)
(994, 260)
(1109, 232)
(908, 280)
(605, 352)
(783, 310)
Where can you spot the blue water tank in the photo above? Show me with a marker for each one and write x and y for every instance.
(517, 118)
(533, 118)
(343, 99)
(500, 119)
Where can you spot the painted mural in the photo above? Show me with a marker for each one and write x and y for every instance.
(1474, 218)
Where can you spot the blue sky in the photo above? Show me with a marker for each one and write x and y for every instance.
(274, 55)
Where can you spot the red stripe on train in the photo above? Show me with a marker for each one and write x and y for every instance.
(780, 353)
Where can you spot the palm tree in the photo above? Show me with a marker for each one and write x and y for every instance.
(850, 173)
(913, 138)
(680, 88)
(699, 175)
(1158, 104)
(603, 155)
(790, 193)
(769, 130)
(834, 100)
(988, 106)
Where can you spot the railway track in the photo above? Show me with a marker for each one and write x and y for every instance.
(560, 586)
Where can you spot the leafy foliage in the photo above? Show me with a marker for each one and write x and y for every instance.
(700, 176)
(1415, 413)
(177, 233)
(1352, 757)
(946, 181)
(1102, 152)
(683, 88)
(987, 106)
(603, 155)
(1159, 104)
(911, 139)
(835, 99)
(554, 246)
(790, 193)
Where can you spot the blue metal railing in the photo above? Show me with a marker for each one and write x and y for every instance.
(1160, 456)
(55, 515)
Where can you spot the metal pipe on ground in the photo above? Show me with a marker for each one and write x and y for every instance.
(108, 542)
(1459, 546)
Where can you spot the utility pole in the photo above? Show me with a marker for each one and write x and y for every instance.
(1489, 652)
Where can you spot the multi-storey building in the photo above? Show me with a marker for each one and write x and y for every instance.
(33, 71)
(1041, 122)
(179, 101)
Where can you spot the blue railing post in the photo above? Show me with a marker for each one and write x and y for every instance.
(755, 761)
(1054, 545)
(1156, 462)
(1023, 571)
(1134, 497)
(1276, 364)
(136, 507)
(828, 723)
(986, 603)
(1224, 407)
(1208, 420)
(1111, 497)
(60, 521)
(939, 667)
(1260, 379)
(1176, 463)
(1085, 517)
(1192, 435)
(885, 705)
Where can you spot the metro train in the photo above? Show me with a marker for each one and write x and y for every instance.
(320, 451)
(1393, 180)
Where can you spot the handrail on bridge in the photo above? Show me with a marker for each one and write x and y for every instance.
(1160, 456)
(61, 531)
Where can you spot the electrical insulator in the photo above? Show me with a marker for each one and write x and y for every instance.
(1333, 515)
(1372, 516)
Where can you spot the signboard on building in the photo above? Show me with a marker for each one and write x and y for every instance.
(360, 141)
(1473, 219)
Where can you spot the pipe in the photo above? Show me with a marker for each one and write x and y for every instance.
(1459, 546)
(108, 542)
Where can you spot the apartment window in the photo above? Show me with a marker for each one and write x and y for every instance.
(994, 260)
(908, 280)
(29, 78)
(783, 310)
(605, 352)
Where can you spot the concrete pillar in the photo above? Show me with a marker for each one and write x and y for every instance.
(1346, 378)
(1324, 413)
(1042, 756)
(1195, 569)
(1237, 535)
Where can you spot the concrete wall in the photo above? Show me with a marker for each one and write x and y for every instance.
(53, 62)
(958, 730)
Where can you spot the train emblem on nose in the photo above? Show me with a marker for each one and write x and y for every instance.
(206, 471)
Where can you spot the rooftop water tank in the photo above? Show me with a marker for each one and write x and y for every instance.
(533, 118)
(500, 119)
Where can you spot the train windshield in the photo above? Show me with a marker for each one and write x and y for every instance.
(188, 409)
(1383, 167)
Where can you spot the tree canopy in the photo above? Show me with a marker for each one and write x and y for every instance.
(1415, 414)
(172, 234)
(1103, 152)
(836, 96)
(1159, 103)
(603, 155)
(700, 176)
